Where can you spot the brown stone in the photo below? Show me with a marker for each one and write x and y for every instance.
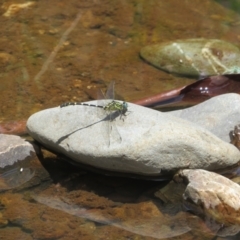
(214, 195)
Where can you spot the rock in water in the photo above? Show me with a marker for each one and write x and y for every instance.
(15, 177)
(194, 57)
(216, 196)
(152, 143)
(14, 149)
(218, 115)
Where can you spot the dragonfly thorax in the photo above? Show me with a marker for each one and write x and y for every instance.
(116, 106)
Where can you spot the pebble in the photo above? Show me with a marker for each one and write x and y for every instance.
(14, 149)
(14, 8)
(15, 152)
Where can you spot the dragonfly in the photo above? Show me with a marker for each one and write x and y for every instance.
(111, 108)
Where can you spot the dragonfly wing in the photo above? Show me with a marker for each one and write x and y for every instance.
(107, 116)
(110, 91)
(100, 94)
(115, 136)
(109, 131)
(105, 99)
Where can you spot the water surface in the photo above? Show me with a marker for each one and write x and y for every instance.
(59, 51)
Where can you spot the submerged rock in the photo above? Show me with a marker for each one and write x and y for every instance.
(194, 57)
(14, 152)
(15, 177)
(146, 142)
(14, 149)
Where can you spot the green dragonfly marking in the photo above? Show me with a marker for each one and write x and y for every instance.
(113, 106)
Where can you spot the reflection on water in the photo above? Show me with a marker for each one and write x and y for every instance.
(72, 204)
(15, 178)
(158, 227)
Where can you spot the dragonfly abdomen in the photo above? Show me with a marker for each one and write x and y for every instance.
(79, 103)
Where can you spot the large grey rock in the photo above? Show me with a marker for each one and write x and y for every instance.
(150, 143)
(14, 149)
(219, 114)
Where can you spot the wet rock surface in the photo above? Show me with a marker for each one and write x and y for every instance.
(203, 193)
(15, 155)
(219, 114)
(194, 57)
(214, 195)
(14, 149)
(151, 142)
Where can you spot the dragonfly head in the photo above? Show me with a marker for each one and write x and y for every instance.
(125, 106)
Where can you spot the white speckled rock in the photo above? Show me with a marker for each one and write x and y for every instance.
(194, 57)
(14, 149)
(217, 196)
(151, 142)
(219, 114)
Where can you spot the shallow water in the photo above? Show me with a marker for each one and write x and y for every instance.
(15, 177)
(59, 51)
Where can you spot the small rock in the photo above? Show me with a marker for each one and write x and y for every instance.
(13, 127)
(216, 196)
(15, 177)
(14, 149)
(6, 59)
(146, 142)
(14, 8)
(90, 20)
(194, 57)
(219, 114)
